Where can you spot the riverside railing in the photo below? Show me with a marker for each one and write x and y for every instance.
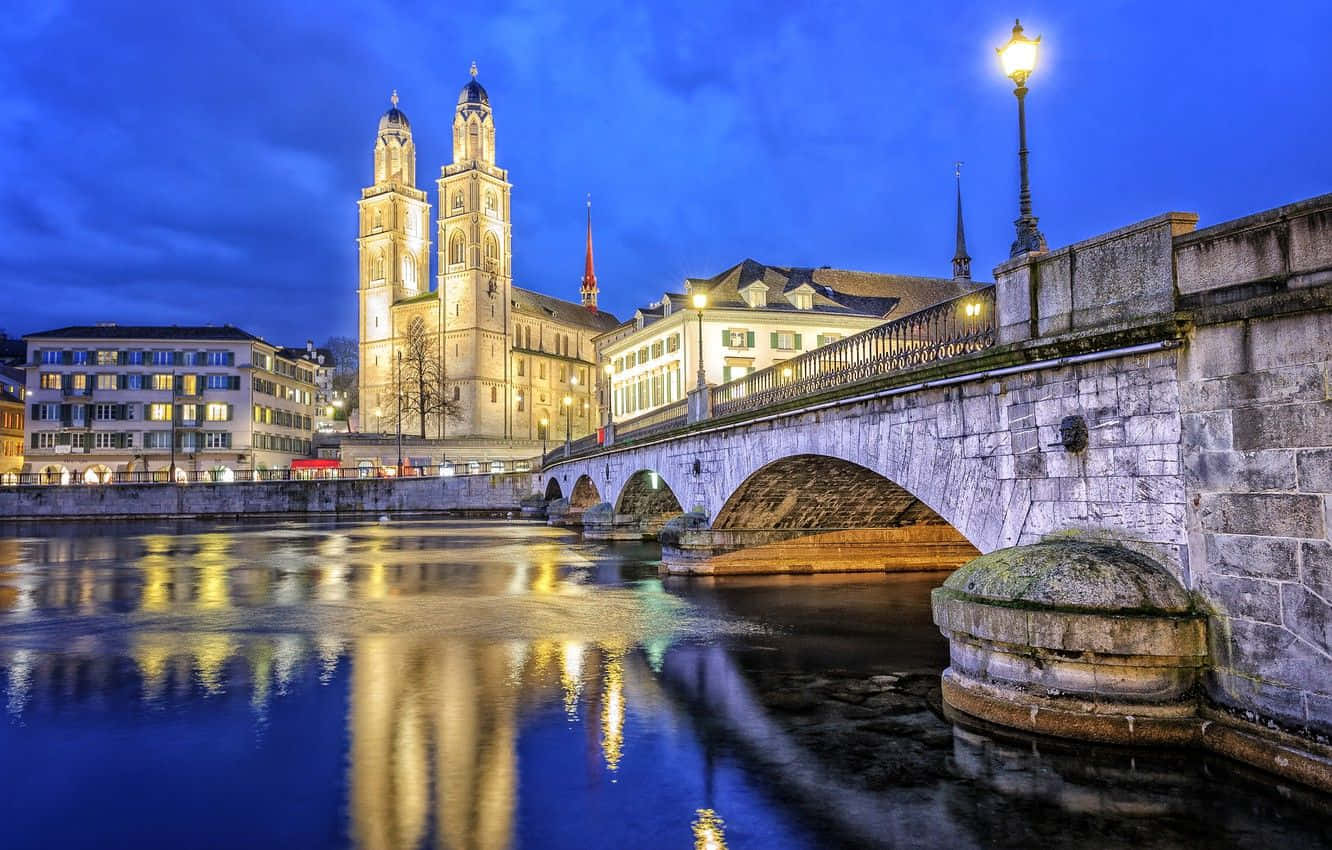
(227, 476)
(949, 329)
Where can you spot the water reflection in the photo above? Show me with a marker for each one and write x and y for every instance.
(480, 685)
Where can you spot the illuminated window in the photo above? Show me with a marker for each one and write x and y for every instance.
(108, 382)
(159, 413)
(492, 250)
(189, 384)
(490, 202)
(458, 200)
(217, 412)
(50, 380)
(456, 247)
(108, 358)
(162, 381)
(79, 382)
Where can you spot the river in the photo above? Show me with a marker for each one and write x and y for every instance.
(486, 684)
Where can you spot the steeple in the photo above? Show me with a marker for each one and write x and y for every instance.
(961, 261)
(589, 288)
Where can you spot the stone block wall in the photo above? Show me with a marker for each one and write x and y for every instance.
(350, 496)
(1256, 410)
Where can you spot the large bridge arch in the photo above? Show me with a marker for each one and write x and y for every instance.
(553, 489)
(646, 493)
(585, 493)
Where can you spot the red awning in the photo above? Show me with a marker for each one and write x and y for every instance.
(315, 463)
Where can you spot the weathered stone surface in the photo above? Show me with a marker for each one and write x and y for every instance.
(1287, 425)
(1258, 557)
(1267, 514)
(1242, 471)
(1315, 470)
(1070, 574)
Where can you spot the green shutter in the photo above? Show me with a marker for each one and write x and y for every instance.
(797, 336)
(726, 337)
(34, 440)
(726, 374)
(230, 413)
(749, 339)
(33, 417)
(773, 340)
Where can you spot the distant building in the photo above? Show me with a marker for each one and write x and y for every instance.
(13, 352)
(755, 316)
(320, 361)
(503, 357)
(12, 392)
(109, 399)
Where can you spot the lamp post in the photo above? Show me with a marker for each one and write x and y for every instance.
(700, 300)
(1018, 57)
(567, 402)
(399, 416)
(545, 435)
(610, 395)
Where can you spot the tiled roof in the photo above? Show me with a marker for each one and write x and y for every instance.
(164, 332)
(300, 352)
(835, 291)
(534, 303)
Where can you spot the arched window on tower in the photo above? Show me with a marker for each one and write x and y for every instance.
(492, 252)
(408, 271)
(458, 200)
(494, 394)
(527, 334)
(456, 247)
(377, 267)
(456, 394)
(474, 139)
(490, 203)
(379, 219)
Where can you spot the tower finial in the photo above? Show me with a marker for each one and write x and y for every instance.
(961, 260)
(474, 69)
(588, 291)
(393, 98)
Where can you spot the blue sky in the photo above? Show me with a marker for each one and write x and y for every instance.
(171, 162)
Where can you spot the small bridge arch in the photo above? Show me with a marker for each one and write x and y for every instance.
(585, 493)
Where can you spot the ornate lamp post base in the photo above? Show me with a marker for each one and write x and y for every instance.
(1029, 239)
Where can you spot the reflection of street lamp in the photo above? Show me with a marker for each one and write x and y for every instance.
(399, 416)
(545, 435)
(700, 300)
(567, 402)
(1019, 60)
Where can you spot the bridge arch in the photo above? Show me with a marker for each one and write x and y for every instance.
(585, 493)
(815, 491)
(646, 494)
(553, 490)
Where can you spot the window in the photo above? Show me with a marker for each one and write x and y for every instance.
(827, 339)
(456, 394)
(80, 358)
(217, 412)
(643, 354)
(50, 356)
(656, 349)
(162, 381)
(217, 382)
(220, 358)
(803, 301)
(456, 247)
(490, 202)
(217, 440)
(519, 365)
(564, 373)
(161, 358)
(785, 340)
(107, 381)
(191, 358)
(738, 338)
(103, 412)
(494, 394)
(377, 267)
(47, 412)
(379, 219)
(45, 439)
(630, 360)
(458, 200)
(78, 414)
(159, 413)
(78, 382)
(189, 412)
(104, 440)
(408, 271)
(541, 370)
(492, 251)
(673, 343)
(50, 380)
(108, 358)
(521, 402)
(527, 336)
(134, 358)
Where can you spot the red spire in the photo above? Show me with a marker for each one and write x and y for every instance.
(589, 288)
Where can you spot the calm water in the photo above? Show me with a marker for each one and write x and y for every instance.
(467, 684)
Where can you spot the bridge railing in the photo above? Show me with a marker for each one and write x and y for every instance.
(662, 419)
(949, 329)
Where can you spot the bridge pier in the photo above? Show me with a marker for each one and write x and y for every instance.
(601, 522)
(704, 551)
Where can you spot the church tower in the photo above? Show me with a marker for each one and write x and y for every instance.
(475, 268)
(588, 290)
(394, 244)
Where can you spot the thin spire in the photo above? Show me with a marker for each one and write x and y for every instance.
(474, 69)
(961, 260)
(589, 287)
(393, 98)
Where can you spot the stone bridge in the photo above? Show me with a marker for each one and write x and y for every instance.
(1163, 389)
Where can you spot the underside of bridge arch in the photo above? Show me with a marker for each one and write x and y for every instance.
(585, 493)
(647, 498)
(813, 513)
(553, 490)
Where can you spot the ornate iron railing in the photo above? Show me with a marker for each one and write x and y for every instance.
(665, 418)
(949, 329)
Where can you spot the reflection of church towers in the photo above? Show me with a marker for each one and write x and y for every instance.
(475, 270)
(394, 240)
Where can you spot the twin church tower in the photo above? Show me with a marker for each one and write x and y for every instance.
(507, 356)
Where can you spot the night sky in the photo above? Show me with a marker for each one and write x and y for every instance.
(169, 162)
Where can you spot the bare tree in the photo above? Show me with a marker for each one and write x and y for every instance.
(420, 378)
(346, 379)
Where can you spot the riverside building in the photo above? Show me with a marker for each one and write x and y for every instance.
(212, 403)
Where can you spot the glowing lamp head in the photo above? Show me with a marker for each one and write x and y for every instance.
(786, 371)
(568, 400)
(544, 422)
(699, 300)
(610, 369)
(1019, 56)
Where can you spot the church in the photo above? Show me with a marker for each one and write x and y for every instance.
(514, 368)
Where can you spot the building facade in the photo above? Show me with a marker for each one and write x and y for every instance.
(210, 402)
(494, 362)
(12, 392)
(754, 316)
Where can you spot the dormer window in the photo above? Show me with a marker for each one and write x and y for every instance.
(803, 301)
(755, 295)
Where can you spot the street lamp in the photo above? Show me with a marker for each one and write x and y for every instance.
(1019, 59)
(545, 434)
(700, 300)
(610, 394)
(567, 401)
